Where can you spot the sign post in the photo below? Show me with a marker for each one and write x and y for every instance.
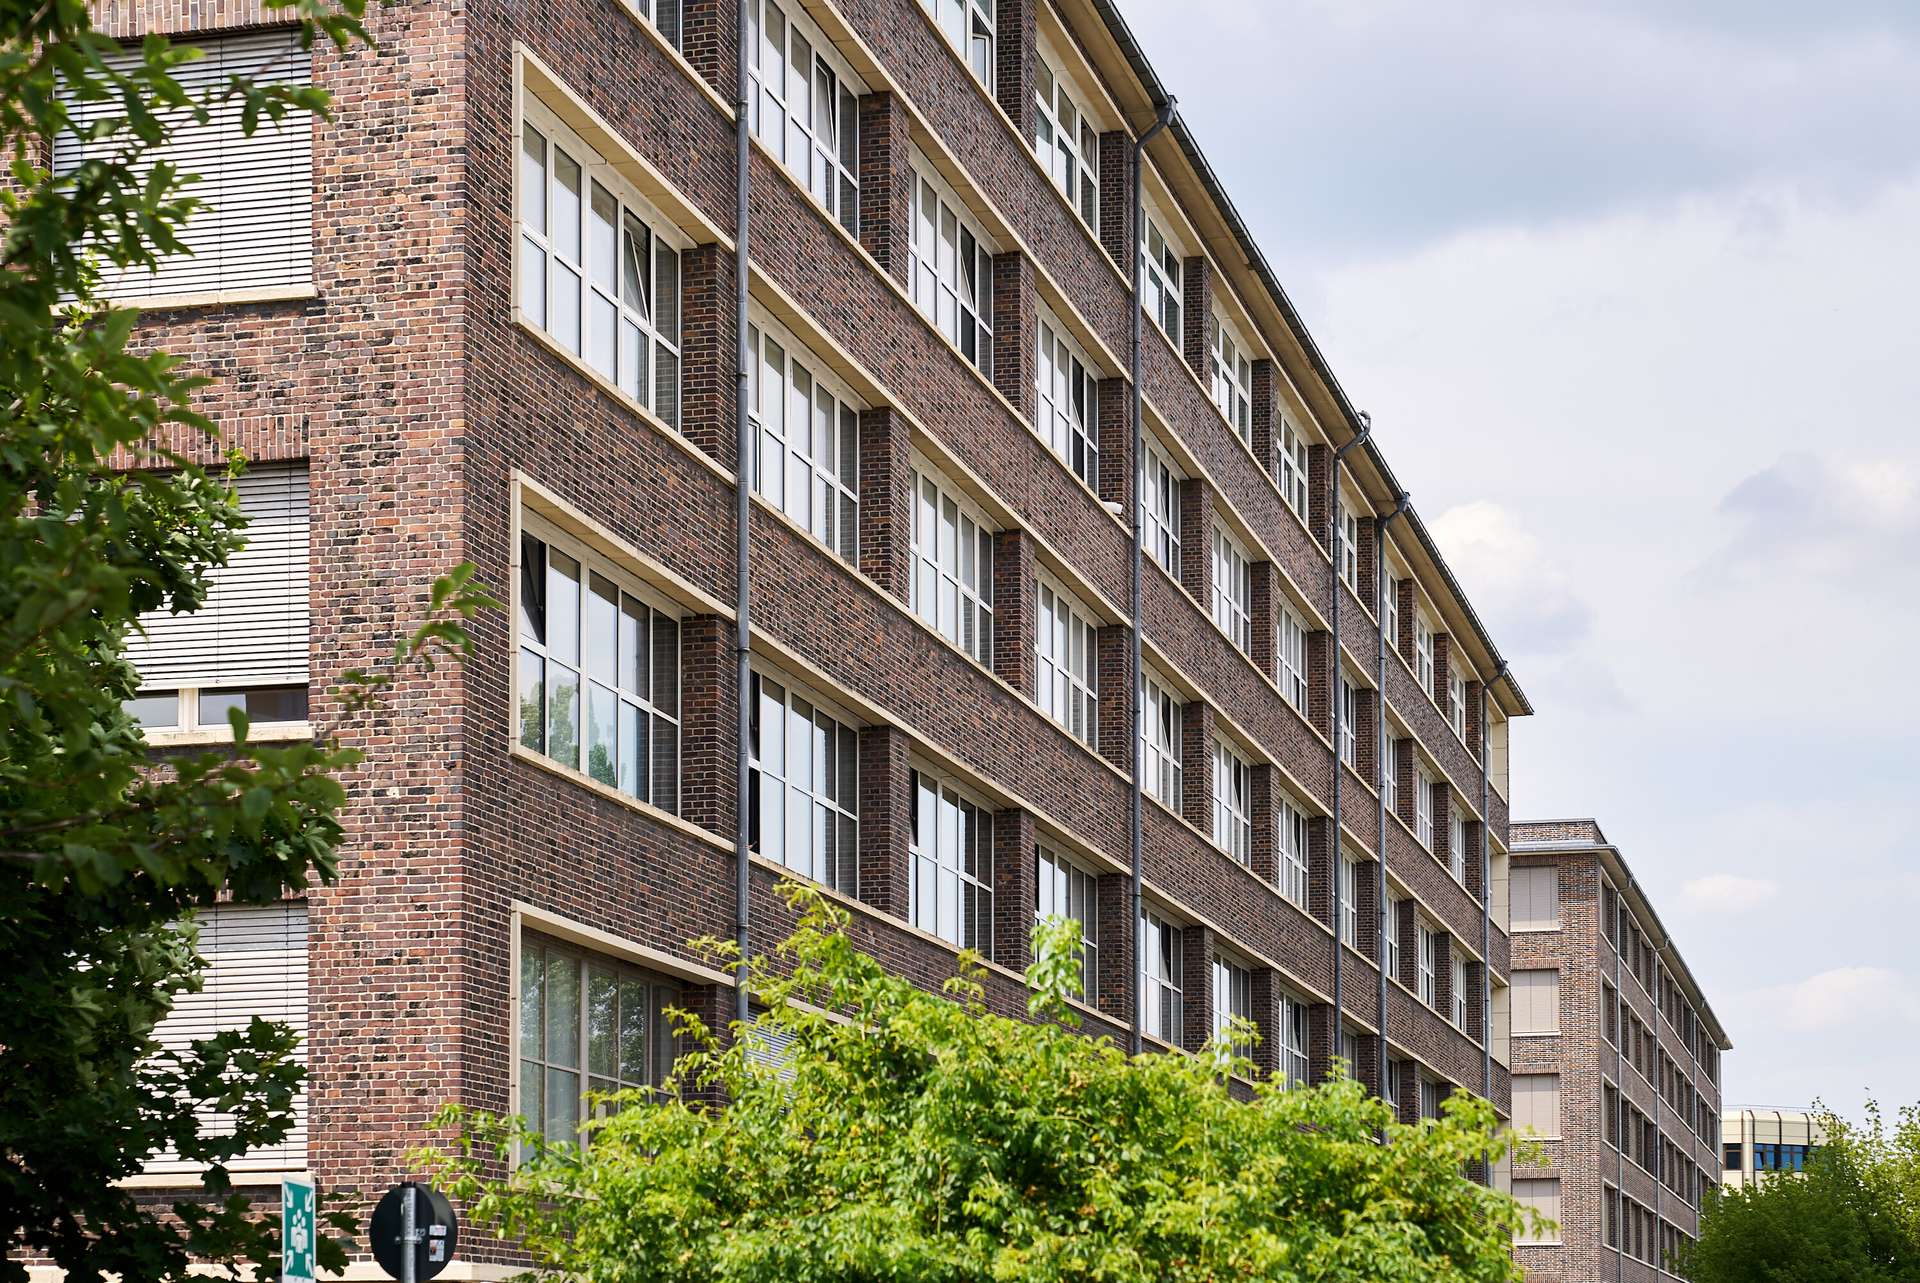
(413, 1232)
(298, 1232)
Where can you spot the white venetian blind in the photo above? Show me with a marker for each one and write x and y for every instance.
(1536, 1002)
(252, 630)
(1536, 898)
(1542, 1196)
(1536, 1103)
(256, 966)
(254, 230)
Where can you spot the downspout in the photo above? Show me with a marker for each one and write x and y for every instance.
(1486, 895)
(742, 511)
(1333, 698)
(1381, 589)
(1620, 1085)
(1134, 813)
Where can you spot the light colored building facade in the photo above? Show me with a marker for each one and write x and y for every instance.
(1616, 1064)
(1757, 1142)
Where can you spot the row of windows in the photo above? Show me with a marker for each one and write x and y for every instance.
(1636, 1231)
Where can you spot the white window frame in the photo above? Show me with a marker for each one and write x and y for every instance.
(1294, 451)
(1426, 940)
(654, 714)
(1067, 672)
(1350, 901)
(1390, 935)
(951, 546)
(1348, 530)
(1291, 830)
(642, 358)
(1390, 609)
(663, 16)
(826, 800)
(950, 889)
(1459, 995)
(1232, 1000)
(1293, 1042)
(1390, 770)
(1232, 802)
(1457, 841)
(1231, 370)
(1159, 484)
(1423, 661)
(1457, 701)
(810, 470)
(822, 149)
(1162, 999)
(1161, 731)
(968, 26)
(957, 303)
(1062, 889)
(1066, 139)
(1423, 807)
(1292, 650)
(1068, 386)
(1232, 589)
(1161, 269)
(1348, 706)
(1429, 1097)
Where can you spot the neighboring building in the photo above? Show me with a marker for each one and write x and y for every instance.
(1616, 1063)
(490, 317)
(1758, 1142)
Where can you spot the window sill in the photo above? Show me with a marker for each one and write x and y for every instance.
(188, 1180)
(218, 298)
(521, 752)
(207, 736)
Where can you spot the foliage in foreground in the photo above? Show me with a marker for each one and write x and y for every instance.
(101, 855)
(922, 1138)
(1853, 1215)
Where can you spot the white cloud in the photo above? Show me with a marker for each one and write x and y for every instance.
(1729, 892)
(1507, 573)
(1843, 997)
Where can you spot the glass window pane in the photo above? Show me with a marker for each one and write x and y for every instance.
(635, 1023)
(532, 986)
(563, 714)
(603, 1022)
(603, 629)
(563, 1010)
(602, 713)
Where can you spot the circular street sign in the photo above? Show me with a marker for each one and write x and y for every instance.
(436, 1232)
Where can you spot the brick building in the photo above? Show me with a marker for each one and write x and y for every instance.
(487, 312)
(1616, 1063)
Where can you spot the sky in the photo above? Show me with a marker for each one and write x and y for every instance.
(1630, 291)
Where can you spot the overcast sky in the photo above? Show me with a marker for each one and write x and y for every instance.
(1630, 290)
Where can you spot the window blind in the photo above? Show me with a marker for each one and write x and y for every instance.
(252, 630)
(256, 966)
(254, 229)
(1536, 898)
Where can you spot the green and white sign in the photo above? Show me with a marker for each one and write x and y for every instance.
(297, 1231)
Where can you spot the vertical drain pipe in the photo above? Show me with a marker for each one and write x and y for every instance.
(742, 511)
(1134, 814)
(1333, 699)
(1486, 894)
(1381, 588)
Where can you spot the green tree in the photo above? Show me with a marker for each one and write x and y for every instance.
(104, 854)
(919, 1137)
(1848, 1216)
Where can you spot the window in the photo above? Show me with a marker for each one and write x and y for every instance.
(587, 1024)
(952, 587)
(1535, 894)
(1232, 376)
(804, 107)
(1350, 900)
(1160, 510)
(1232, 803)
(1423, 807)
(1232, 589)
(1232, 1001)
(1730, 1158)
(1540, 1196)
(1160, 280)
(1457, 701)
(951, 889)
(1390, 771)
(256, 965)
(1293, 468)
(596, 272)
(1457, 840)
(1160, 743)
(1350, 1052)
(1610, 1012)
(1348, 731)
(968, 24)
(952, 271)
(1390, 936)
(1459, 994)
(1390, 610)
(1068, 663)
(808, 432)
(1069, 418)
(1293, 659)
(1536, 1104)
(246, 647)
(1390, 1082)
(1160, 1014)
(254, 228)
(1349, 547)
(1291, 841)
(1293, 1063)
(663, 14)
(576, 607)
(1429, 1097)
(1065, 890)
(1067, 143)
(1428, 957)
(1423, 653)
(1536, 1002)
(803, 802)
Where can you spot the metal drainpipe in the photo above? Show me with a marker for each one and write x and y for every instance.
(1620, 1083)
(742, 511)
(1333, 699)
(1381, 588)
(1134, 816)
(1486, 897)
